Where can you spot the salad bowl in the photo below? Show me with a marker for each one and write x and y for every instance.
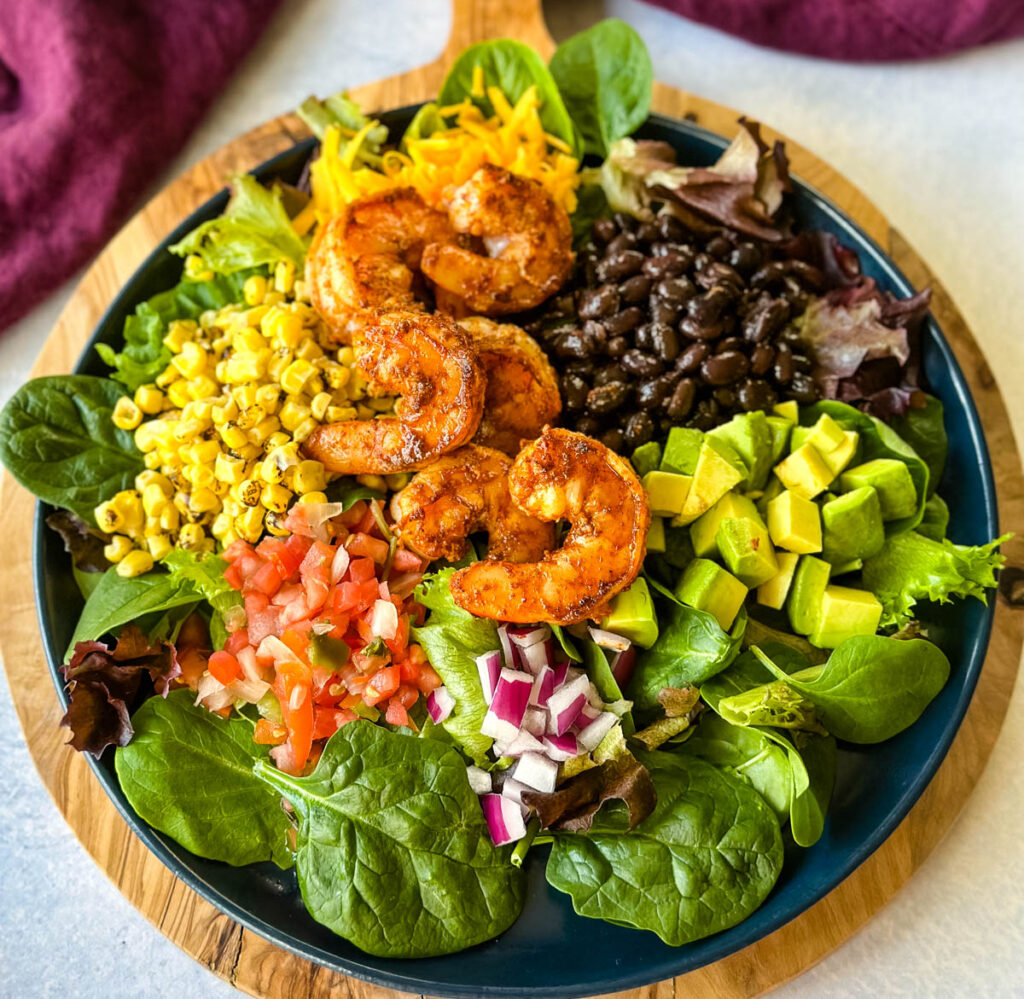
(550, 951)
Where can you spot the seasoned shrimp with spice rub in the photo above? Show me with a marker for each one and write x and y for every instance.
(565, 476)
(431, 363)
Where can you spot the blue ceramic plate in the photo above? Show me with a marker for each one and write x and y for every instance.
(550, 951)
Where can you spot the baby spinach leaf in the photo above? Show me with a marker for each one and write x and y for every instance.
(872, 687)
(452, 639)
(591, 205)
(348, 492)
(701, 862)
(513, 68)
(424, 123)
(935, 521)
(568, 645)
(746, 672)
(189, 773)
(924, 430)
(605, 77)
(58, 441)
(811, 798)
(393, 851)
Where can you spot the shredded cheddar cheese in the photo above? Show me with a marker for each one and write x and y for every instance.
(513, 138)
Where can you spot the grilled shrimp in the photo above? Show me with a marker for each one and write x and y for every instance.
(522, 388)
(431, 363)
(463, 492)
(368, 256)
(564, 475)
(527, 237)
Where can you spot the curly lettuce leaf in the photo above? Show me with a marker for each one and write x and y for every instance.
(912, 567)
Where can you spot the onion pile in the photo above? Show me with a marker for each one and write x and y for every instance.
(541, 710)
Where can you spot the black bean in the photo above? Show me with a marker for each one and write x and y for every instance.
(681, 401)
(770, 274)
(642, 337)
(802, 363)
(708, 308)
(627, 223)
(765, 318)
(701, 260)
(671, 229)
(574, 390)
(622, 322)
(619, 265)
(607, 398)
(571, 345)
(639, 429)
(725, 397)
(617, 346)
(719, 247)
(604, 231)
(689, 360)
(790, 335)
(670, 264)
(595, 303)
(723, 369)
(706, 415)
(624, 241)
(695, 330)
(647, 232)
(755, 393)
(761, 358)
(613, 439)
(636, 362)
(730, 343)
(664, 311)
(594, 335)
(718, 273)
(651, 394)
(783, 364)
(635, 289)
(745, 258)
(588, 425)
(677, 289)
(803, 389)
(806, 274)
(610, 373)
(665, 341)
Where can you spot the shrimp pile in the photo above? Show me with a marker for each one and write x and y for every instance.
(565, 475)
(526, 235)
(431, 363)
(522, 387)
(463, 492)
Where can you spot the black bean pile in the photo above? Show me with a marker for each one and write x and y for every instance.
(664, 328)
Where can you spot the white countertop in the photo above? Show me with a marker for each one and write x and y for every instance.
(939, 146)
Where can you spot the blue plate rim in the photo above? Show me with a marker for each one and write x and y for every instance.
(731, 941)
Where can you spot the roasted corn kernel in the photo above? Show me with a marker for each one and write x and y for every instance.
(135, 563)
(117, 548)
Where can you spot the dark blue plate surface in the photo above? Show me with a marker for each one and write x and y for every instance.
(550, 951)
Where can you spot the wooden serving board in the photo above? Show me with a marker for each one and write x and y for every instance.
(260, 968)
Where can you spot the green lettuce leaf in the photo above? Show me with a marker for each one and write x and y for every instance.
(340, 109)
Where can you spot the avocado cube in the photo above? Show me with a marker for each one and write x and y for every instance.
(646, 458)
(843, 613)
(666, 492)
(656, 535)
(794, 523)
(716, 474)
(805, 594)
(788, 410)
(632, 615)
(805, 471)
(826, 435)
(773, 489)
(750, 436)
(891, 479)
(854, 565)
(705, 528)
(853, 526)
(747, 550)
(708, 587)
(681, 450)
(774, 592)
(780, 429)
(841, 456)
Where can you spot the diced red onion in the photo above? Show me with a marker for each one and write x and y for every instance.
(508, 706)
(383, 590)
(609, 640)
(322, 627)
(340, 564)
(522, 743)
(535, 657)
(440, 704)
(622, 666)
(489, 667)
(479, 780)
(587, 715)
(538, 771)
(543, 685)
(384, 620)
(504, 819)
(566, 703)
(561, 747)
(513, 790)
(590, 737)
(511, 654)
(525, 637)
(561, 671)
(594, 698)
(208, 684)
(535, 721)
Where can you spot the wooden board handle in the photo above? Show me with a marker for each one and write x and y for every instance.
(480, 20)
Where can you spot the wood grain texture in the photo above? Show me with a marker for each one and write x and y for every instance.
(248, 961)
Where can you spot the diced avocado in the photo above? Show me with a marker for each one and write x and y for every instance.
(715, 475)
(891, 479)
(843, 613)
(826, 435)
(788, 410)
(681, 450)
(666, 492)
(773, 489)
(854, 565)
(646, 458)
(632, 615)
(853, 526)
(809, 584)
(774, 592)
(751, 437)
(794, 523)
(804, 471)
(747, 550)
(656, 535)
(838, 459)
(708, 587)
(780, 429)
(705, 527)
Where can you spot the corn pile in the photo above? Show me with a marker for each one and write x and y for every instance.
(221, 427)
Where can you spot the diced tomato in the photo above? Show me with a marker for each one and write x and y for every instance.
(315, 572)
(396, 714)
(362, 625)
(237, 641)
(255, 603)
(287, 557)
(398, 644)
(225, 667)
(262, 623)
(327, 721)
(368, 525)
(417, 612)
(267, 579)
(406, 696)
(339, 623)
(299, 644)
(292, 687)
(404, 583)
(362, 569)
(193, 665)
(298, 545)
(269, 734)
(288, 593)
(330, 693)
(233, 577)
(353, 516)
(363, 545)
(235, 550)
(406, 561)
(382, 685)
(354, 598)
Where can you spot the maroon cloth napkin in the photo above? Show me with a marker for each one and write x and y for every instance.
(860, 30)
(95, 97)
